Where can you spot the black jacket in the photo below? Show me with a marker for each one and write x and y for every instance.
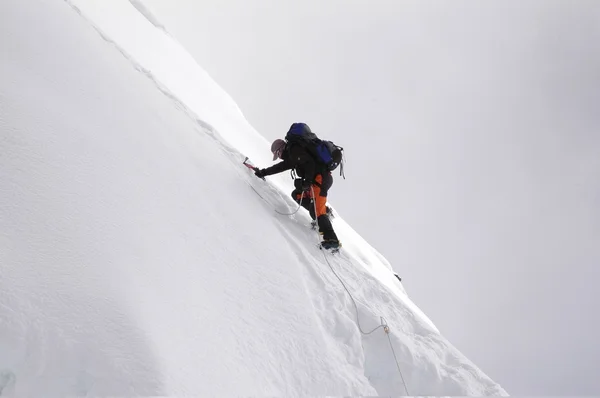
(295, 157)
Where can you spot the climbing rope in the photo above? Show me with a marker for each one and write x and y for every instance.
(387, 332)
(276, 211)
(383, 324)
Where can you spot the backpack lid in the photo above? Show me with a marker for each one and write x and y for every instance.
(299, 128)
(336, 156)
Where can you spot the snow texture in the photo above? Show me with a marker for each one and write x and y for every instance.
(138, 256)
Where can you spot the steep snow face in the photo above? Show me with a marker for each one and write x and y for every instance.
(136, 255)
(172, 67)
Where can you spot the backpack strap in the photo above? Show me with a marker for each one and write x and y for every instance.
(342, 164)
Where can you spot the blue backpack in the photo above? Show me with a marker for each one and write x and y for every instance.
(327, 154)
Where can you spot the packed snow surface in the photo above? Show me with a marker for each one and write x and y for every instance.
(138, 256)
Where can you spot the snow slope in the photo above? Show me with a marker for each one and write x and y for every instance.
(136, 255)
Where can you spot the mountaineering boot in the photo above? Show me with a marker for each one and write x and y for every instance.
(330, 239)
(331, 244)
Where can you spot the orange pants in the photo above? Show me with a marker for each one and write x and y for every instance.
(320, 201)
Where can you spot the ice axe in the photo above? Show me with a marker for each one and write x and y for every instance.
(251, 167)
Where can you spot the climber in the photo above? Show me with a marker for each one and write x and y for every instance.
(313, 182)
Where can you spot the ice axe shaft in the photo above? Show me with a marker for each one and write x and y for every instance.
(251, 167)
(248, 165)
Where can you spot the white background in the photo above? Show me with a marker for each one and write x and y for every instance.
(472, 139)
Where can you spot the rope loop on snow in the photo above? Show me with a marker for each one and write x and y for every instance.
(383, 324)
(276, 211)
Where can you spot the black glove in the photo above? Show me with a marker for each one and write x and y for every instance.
(260, 173)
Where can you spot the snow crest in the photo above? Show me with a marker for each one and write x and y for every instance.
(138, 256)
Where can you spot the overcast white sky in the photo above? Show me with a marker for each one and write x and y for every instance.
(472, 136)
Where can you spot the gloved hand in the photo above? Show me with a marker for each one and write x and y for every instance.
(260, 173)
(306, 184)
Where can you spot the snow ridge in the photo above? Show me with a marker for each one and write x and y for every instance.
(123, 274)
(148, 15)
